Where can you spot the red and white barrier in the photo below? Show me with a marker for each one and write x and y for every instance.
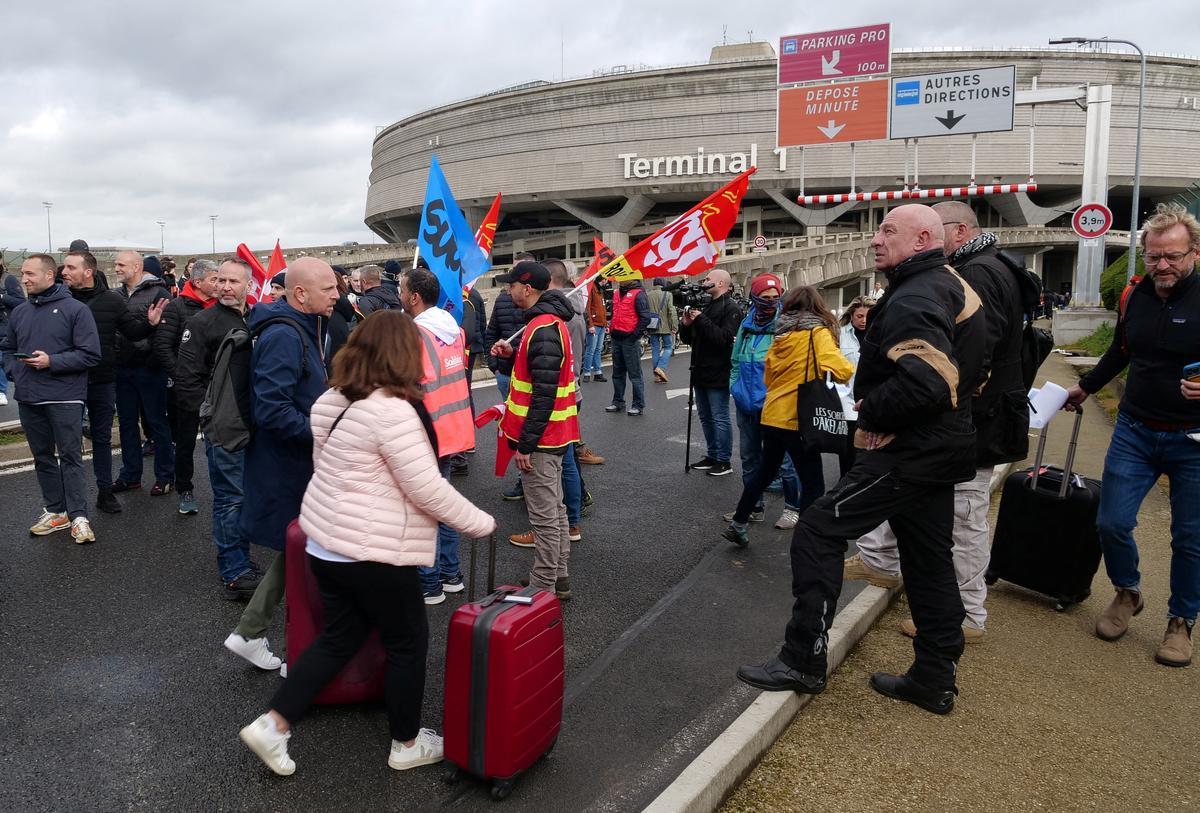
(920, 194)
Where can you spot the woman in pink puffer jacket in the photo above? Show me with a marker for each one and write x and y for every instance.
(371, 513)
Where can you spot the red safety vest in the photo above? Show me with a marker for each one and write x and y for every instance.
(447, 397)
(563, 427)
(624, 318)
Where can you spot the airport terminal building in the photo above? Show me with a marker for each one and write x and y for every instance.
(621, 153)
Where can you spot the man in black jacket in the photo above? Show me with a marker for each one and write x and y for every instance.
(375, 297)
(197, 354)
(1157, 430)
(921, 359)
(197, 294)
(113, 317)
(141, 385)
(711, 333)
(1000, 413)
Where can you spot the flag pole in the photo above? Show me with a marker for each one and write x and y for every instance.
(416, 254)
(577, 289)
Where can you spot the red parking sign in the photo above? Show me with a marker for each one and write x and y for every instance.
(846, 52)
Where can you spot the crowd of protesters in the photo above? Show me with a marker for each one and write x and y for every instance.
(360, 394)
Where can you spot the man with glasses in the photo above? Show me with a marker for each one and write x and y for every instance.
(1157, 430)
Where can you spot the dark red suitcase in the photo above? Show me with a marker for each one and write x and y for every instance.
(1046, 538)
(362, 678)
(504, 682)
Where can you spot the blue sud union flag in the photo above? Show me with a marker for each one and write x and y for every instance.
(447, 243)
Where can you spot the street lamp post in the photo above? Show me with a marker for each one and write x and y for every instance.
(162, 236)
(1131, 266)
(49, 240)
(213, 218)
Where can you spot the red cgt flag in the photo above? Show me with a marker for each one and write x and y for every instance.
(277, 264)
(258, 274)
(486, 233)
(688, 245)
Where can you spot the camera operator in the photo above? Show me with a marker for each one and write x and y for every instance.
(711, 332)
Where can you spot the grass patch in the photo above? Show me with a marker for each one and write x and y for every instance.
(11, 436)
(1095, 343)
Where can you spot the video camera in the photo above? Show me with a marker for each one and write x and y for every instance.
(691, 295)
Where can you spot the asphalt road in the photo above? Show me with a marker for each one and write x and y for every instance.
(119, 695)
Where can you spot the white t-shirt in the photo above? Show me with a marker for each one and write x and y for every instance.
(312, 548)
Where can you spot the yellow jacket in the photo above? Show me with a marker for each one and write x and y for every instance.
(788, 366)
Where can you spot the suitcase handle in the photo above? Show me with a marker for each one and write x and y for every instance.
(1068, 466)
(491, 566)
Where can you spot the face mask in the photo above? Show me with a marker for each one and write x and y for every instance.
(764, 309)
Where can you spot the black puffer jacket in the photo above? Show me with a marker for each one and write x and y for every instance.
(1001, 411)
(506, 319)
(545, 352)
(340, 323)
(711, 335)
(113, 317)
(920, 362)
(148, 291)
(198, 351)
(378, 298)
(170, 329)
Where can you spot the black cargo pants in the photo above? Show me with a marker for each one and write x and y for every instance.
(922, 517)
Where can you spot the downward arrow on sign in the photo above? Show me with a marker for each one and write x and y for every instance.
(950, 119)
(829, 67)
(831, 129)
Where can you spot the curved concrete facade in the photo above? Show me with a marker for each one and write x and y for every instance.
(561, 152)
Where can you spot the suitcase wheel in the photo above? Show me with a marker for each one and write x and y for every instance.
(501, 789)
(451, 775)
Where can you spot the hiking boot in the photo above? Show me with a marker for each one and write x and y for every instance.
(1176, 647)
(425, 750)
(902, 687)
(599, 377)
(703, 464)
(256, 650)
(106, 502)
(777, 676)
(1114, 621)
(757, 515)
(855, 569)
(587, 457)
(269, 744)
(243, 587)
(81, 531)
(49, 522)
(788, 519)
(524, 540)
(574, 534)
(736, 535)
(187, 503)
(161, 487)
(120, 485)
(517, 492)
(433, 597)
(971, 635)
(720, 468)
(453, 585)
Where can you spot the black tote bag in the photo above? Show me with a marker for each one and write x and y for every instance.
(819, 411)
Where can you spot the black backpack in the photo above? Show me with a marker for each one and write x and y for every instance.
(1036, 343)
(227, 414)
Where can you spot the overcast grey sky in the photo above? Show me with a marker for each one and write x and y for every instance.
(125, 113)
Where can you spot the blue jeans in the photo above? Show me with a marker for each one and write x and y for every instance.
(1137, 456)
(627, 360)
(226, 472)
(141, 388)
(712, 407)
(447, 565)
(750, 446)
(661, 345)
(572, 486)
(101, 402)
(3, 377)
(592, 351)
(502, 384)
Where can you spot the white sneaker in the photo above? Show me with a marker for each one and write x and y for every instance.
(283, 670)
(49, 522)
(788, 519)
(269, 744)
(255, 650)
(426, 750)
(81, 531)
(3, 399)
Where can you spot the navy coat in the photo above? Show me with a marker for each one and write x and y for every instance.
(64, 329)
(279, 457)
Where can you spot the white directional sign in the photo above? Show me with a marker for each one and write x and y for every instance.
(953, 102)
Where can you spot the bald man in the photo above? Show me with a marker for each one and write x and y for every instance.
(711, 332)
(288, 375)
(922, 358)
(1000, 412)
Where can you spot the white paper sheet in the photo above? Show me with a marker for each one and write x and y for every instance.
(1045, 402)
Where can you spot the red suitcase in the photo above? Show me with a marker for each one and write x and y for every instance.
(504, 682)
(362, 678)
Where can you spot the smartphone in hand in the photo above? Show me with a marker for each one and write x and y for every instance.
(1191, 372)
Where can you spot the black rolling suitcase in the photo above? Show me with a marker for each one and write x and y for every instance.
(1046, 538)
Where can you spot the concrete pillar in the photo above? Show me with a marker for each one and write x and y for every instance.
(751, 222)
(1090, 264)
(618, 241)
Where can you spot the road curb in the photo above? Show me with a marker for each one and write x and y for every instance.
(722, 766)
